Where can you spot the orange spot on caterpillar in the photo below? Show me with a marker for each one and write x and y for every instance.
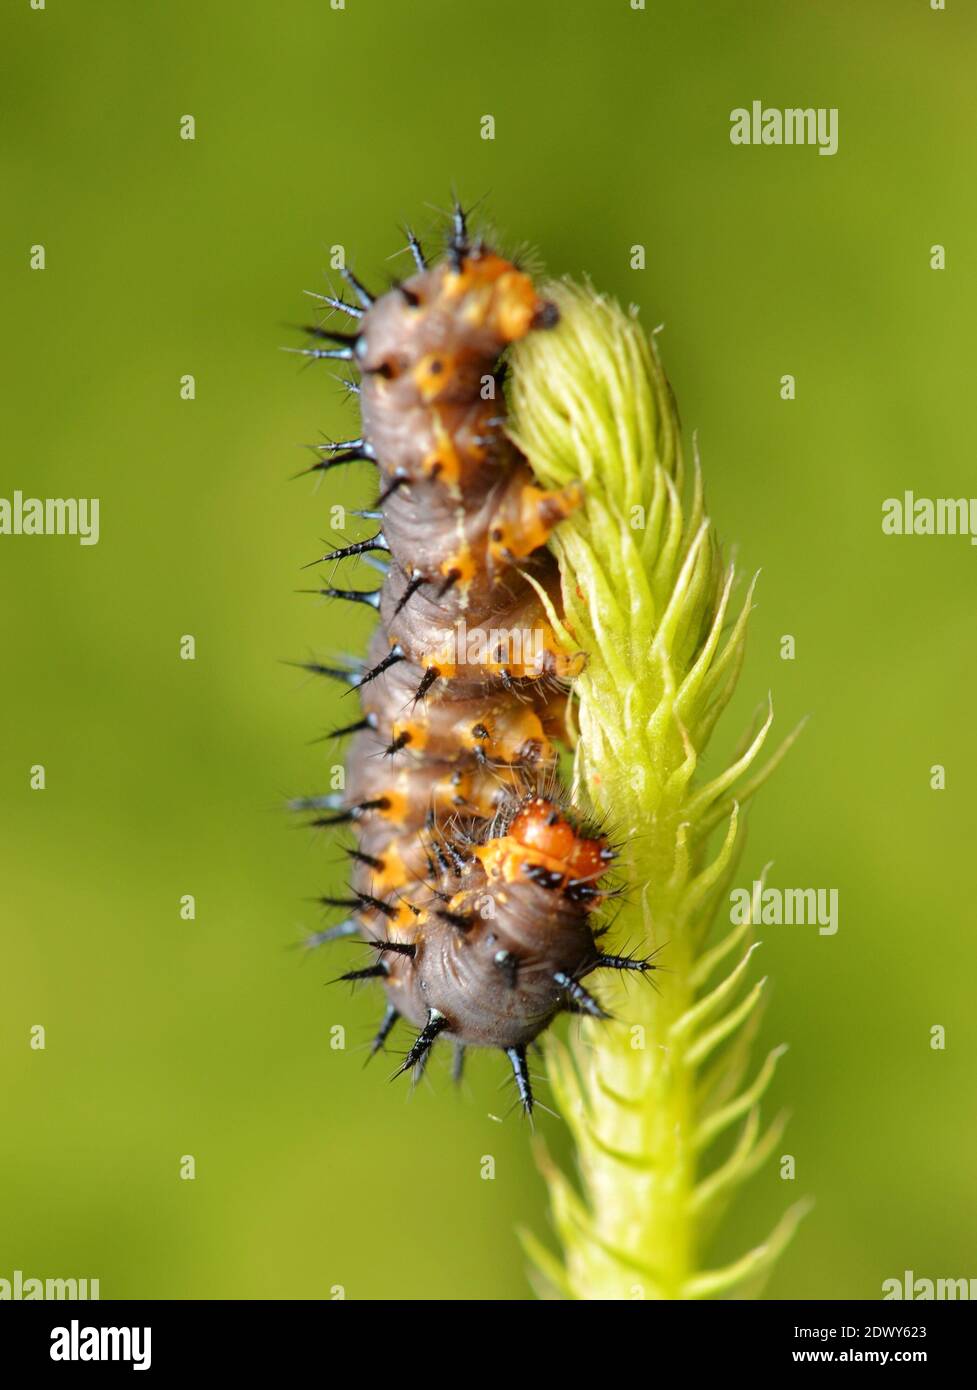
(510, 735)
(434, 374)
(459, 567)
(531, 519)
(404, 922)
(416, 731)
(396, 807)
(444, 460)
(393, 875)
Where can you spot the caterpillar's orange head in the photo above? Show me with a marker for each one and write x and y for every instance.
(541, 826)
(540, 837)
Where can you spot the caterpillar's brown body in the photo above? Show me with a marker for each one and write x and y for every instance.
(476, 891)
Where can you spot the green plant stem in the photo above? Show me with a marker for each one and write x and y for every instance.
(647, 597)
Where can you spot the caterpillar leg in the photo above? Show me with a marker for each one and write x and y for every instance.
(390, 1017)
(582, 998)
(642, 963)
(436, 1023)
(520, 1070)
(416, 250)
(337, 933)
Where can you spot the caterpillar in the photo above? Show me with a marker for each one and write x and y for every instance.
(473, 880)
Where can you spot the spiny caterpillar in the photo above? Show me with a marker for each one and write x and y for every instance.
(472, 880)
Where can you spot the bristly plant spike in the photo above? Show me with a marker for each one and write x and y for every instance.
(662, 1101)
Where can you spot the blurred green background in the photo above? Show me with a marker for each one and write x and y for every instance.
(164, 777)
